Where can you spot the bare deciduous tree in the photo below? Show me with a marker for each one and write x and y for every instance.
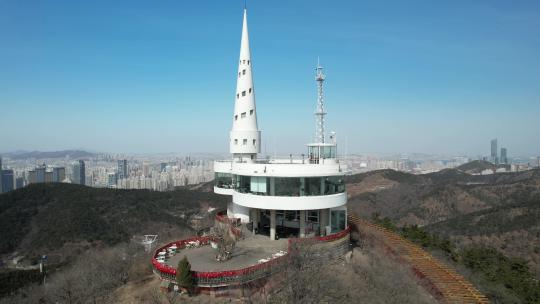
(226, 241)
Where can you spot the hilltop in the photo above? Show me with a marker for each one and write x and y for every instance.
(477, 166)
(500, 210)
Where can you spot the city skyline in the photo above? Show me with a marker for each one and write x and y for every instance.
(140, 78)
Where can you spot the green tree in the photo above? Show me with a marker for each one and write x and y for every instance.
(183, 274)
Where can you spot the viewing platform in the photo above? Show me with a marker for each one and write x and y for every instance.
(282, 167)
(254, 258)
(250, 251)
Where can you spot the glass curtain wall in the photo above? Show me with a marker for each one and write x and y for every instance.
(223, 180)
(287, 186)
(337, 220)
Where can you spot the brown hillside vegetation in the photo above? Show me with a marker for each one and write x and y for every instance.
(500, 210)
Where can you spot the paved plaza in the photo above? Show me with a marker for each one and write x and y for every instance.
(247, 253)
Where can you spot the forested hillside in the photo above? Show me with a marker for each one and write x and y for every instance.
(45, 218)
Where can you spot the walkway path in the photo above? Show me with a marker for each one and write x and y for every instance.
(449, 285)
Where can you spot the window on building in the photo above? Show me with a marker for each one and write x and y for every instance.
(258, 184)
(235, 117)
(223, 180)
(313, 186)
(248, 62)
(243, 115)
(243, 72)
(333, 185)
(254, 142)
(313, 216)
(292, 215)
(249, 90)
(286, 186)
(250, 112)
(243, 93)
(337, 220)
(237, 96)
(239, 74)
(242, 183)
(236, 141)
(245, 141)
(244, 61)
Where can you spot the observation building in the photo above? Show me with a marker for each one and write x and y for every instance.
(298, 197)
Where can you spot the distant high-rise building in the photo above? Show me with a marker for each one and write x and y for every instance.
(40, 173)
(122, 169)
(494, 157)
(1, 175)
(79, 173)
(59, 174)
(48, 176)
(163, 167)
(31, 177)
(7, 180)
(111, 181)
(504, 158)
(19, 182)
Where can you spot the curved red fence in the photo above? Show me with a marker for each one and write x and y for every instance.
(237, 276)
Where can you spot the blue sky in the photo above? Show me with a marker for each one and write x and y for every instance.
(159, 76)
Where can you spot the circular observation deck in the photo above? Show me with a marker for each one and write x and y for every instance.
(289, 202)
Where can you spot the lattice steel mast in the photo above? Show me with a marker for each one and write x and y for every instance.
(319, 113)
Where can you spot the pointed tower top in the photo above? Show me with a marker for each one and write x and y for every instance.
(245, 136)
(244, 45)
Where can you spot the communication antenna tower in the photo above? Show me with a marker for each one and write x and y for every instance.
(319, 113)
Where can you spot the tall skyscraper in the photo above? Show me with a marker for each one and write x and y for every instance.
(59, 174)
(7, 180)
(494, 158)
(79, 173)
(122, 169)
(40, 173)
(504, 158)
(1, 175)
(19, 182)
(31, 177)
(49, 177)
(112, 180)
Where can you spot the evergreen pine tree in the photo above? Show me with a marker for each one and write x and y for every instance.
(183, 274)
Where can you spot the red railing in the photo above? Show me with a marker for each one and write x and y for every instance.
(238, 276)
(205, 240)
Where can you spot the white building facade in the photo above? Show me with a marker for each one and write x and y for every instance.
(280, 198)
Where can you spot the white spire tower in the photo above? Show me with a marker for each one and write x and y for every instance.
(245, 137)
(319, 113)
